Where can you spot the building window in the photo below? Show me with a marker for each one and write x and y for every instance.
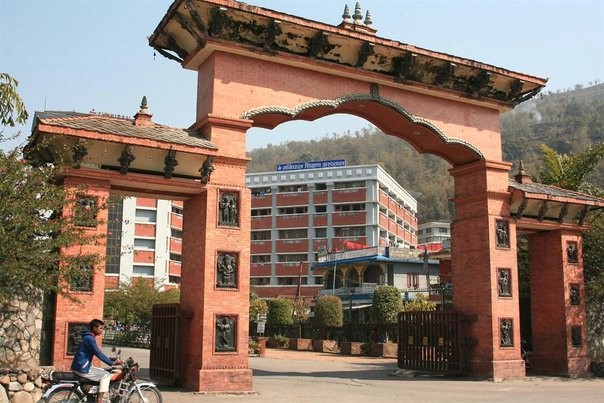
(349, 185)
(176, 233)
(258, 192)
(260, 281)
(177, 209)
(291, 258)
(141, 243)
(261, 258)
(320, 186)
(259, 212)
(175, 257)
(293, 234)
(321, 209)
(349, 207)
(261, 235)
(174, 279)
(293, 188)
(146, 216)
(113, 249)
(350, 231)
(143, 270)
(293, 210)
(413, 280)
(320, 232)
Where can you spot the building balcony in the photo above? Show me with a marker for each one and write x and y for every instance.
(292, 199)
(290, 268)
(261, 247)
(144, 256)
(320, 219)
(349, 195)
(144, 230)
(292, 221)
(260, 269)
(292, 245)
(320, 197)
(349, 218)
(261, 222)
(262, 201)
(176, 245)
(174, 268)
(176, 220)
(319, 243)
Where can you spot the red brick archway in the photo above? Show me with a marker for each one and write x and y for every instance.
(258, 67)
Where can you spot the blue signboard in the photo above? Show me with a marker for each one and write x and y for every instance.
(296, 166)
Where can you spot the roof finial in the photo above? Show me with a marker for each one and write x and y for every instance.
(144, 105)
(368, 20)
(521, 176)
(346, 14)
(357, 16)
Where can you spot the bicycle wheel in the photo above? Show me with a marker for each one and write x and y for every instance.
(150, 395)
(63, 395)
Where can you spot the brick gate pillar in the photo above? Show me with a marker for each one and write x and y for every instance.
(216, 270)
(483, 251)
(73, 315)
(557, 303)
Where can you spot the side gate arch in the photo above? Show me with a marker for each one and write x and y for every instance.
(258, 67)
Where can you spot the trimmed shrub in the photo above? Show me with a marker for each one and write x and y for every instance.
(280, 313)
(328, 313)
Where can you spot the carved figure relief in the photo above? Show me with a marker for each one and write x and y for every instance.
(228, 210)
(503, 283)
(575, 299)
(170, 163)
(206, 169)
(226, 271)
(86, 211)
(576, 336)
(74, 336)
(225, 329)
(126, 159)
(80, 150)
(572, 252)
(505, 332)
(503, 231)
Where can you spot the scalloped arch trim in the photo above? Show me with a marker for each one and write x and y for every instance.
(334, 104)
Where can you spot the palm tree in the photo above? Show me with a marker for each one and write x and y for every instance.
(571, 171)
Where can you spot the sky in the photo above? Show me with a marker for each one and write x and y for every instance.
(82, 55)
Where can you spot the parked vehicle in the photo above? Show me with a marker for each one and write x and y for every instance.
(67, 387)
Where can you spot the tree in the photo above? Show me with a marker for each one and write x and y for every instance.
(419, 303)
(12, 108)
(257, 307)
(387, 303)
(131, 304)
(33, 230)
(571, 171)
(280, 312)
(328, 313)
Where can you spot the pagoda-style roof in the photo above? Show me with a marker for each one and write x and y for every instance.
(536, 205)
(89, 142)
(121, 126)
(192, 29)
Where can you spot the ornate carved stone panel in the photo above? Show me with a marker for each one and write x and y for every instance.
(74, 336)
(226, 271)
(225, 334)
(228, 209)
(86, 210)
(506, 334)
(575, 298)
(504, 282)
(502, 228)
(572, 252)
(575, 334)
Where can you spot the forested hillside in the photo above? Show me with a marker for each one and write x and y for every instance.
(567, 122)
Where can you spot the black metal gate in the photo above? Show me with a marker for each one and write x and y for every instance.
(431, 341)
(164, 359)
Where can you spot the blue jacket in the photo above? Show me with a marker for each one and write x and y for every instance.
(87, 349)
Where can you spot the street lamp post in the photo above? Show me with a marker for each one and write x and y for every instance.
(350, 292)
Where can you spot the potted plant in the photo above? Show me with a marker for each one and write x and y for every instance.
(279, 316)
(386, 305)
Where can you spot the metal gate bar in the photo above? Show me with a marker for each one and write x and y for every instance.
(431, 341)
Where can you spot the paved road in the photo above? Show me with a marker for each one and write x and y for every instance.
(300, 377)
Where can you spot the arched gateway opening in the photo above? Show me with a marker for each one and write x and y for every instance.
(258, 67)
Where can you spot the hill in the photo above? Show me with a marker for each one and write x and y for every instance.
(566, 121)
